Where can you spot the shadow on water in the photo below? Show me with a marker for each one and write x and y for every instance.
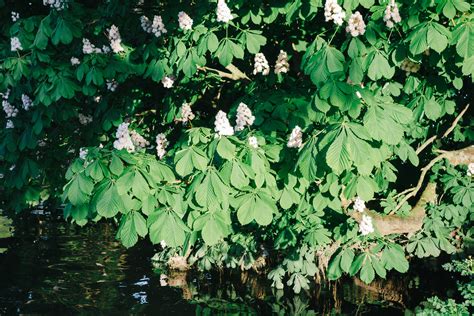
(54, 268)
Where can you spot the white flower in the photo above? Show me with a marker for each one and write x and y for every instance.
(244, 117)
(163, 244)
(15, 16)
(105, 49)
(253, 142)
(185, 22)
(282, 65)
(83, 153)
(15, 44)
(111, 85)
(138, 140)
(186, 113)
(470, 169)
(75, 61)
(163, 280)
(223, 12)
(157, 27)
(10, 110)
(358, 95)
(410, 66)
(167, 82)
(222, 125)
(261, 64)
(356, 24)
(296, 138)
(10, 124)
(26, 102)
(391, 14)
(365, 226)
(333, 11)
(115, 39)
(161, 144)
(124, 141)
(359, 204)
(56, 4)
(84, 119)
(89, 48)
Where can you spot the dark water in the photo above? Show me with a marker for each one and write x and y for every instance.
(53, 268)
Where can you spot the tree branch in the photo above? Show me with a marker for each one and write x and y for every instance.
(235, 73)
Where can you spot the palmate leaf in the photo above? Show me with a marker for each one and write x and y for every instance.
(108, 202)
(166, 225)
(258, 206)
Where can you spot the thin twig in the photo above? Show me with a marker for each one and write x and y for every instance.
(414, 191)
(448, 131)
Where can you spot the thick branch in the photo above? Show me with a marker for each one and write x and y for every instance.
(399, 224)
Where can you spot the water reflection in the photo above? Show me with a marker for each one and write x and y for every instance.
(52, 267)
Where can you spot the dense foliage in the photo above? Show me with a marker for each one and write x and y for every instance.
(135, 98)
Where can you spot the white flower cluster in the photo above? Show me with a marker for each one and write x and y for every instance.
(282, 65)
(84, 119)
(161, 144)
(15, 16)
(89, 48)
(115, 39)
(27, 103)
(10, 124)
(56, 4)
(138, 140)
(391, 15)
(167, 82)
(470, 169)
(111, 85)
(124, 141)
(244, 117)
(15, 44)
(186, 113)
(296, 138)
(365, 226)
(261, 64)
(223, 12)
(83, 153)
(185, 22)
(10, 110)
(359, 205)
(75, 61)
(157, 27)
(409, 66)
(356, 24)
(333, 11)
(222, 125)
(253, 142)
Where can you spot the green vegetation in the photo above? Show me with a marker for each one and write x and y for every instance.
(349, 154)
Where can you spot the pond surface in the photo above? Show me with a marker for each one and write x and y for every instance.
(51, 267)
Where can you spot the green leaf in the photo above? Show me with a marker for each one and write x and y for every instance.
(432, 109)
(167, 226)
(337, 156)
(225, 148)
(116, 165)
(367, 273)
(254, 42)
(108, 201)
(379, 67)
(212, 42)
